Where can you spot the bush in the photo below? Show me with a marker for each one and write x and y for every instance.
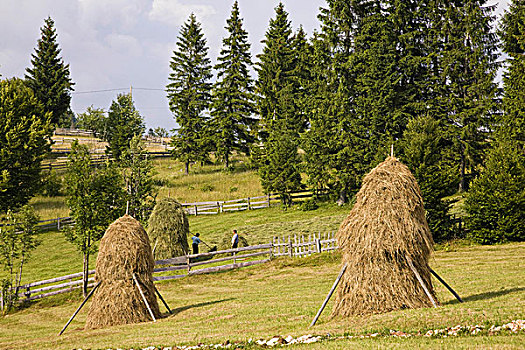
(51, 185)
(496, 201)
(207, 188)
(308, 205)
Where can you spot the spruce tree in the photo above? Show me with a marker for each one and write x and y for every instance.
(24, 143)
(49, 76)
(233, 98)
(278, 102)
(467, 69)
(512, 33)
(123, 122)
(189, 94)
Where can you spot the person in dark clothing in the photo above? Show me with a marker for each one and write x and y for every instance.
(195, 245)
(235, 239)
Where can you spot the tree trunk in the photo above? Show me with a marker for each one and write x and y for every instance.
(227, 161)
(462, 169)
(187, 168)
(85, 275)
(342, 197)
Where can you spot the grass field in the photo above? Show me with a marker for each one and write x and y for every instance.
(282, 297)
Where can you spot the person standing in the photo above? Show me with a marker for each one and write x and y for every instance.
(195, 245)
(235, 239)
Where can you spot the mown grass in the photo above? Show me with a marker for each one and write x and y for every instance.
(282, 297)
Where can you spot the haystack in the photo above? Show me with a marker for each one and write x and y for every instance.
(385, 230)
(226, 242)
(168, 229)
(124, 251)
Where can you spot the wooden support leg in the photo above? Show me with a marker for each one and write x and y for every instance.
(334, 286)
(446, 285)
(420, 280)
(144, 298)
(80, 307)
(163, 301)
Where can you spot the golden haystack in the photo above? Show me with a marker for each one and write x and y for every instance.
(124, 250)
(385, 229)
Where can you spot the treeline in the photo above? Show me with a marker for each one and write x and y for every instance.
(418, 76)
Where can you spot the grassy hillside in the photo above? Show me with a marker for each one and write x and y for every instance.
(282, 297)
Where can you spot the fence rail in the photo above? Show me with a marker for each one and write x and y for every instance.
(222, 260)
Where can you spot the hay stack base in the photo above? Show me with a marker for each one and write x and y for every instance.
(385, 229)
(124, 251)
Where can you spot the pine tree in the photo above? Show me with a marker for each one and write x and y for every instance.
(24, 143)
(233, 107)
(468, 69)
(49, 76)
(278, 103)
(512, 33)
(189, 94)
(123, 122)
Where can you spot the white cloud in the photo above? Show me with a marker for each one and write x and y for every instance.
(174, 13)
(124, 44)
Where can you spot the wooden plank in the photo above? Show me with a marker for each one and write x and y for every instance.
(66, 290)
(56, 286)
(57, 279)
(236, 250)
(170, 268)
(165, 278)
(199, 263)
(176, 260)
(228, 267)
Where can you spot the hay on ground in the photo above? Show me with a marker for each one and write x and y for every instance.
(226, 242)
(124, 250)
(168, 229)
(386, 226)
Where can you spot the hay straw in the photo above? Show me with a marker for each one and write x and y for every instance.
(386, 226)
(168, 228)
(124, 251)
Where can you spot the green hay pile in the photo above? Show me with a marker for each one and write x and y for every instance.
(386, 226)
(226, 242)
(124, 250)
(168, 229)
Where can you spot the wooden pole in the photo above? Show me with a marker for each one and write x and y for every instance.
(446, 285)
(420, 280)
(164, 301)
(144, 298)
(336, 282)
(80, 307)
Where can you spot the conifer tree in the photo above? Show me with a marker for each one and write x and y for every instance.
(467, 69)
(49, 76)
(278, 102)
(189, 94)
(123, 122)
(512, 33)
(233, 98)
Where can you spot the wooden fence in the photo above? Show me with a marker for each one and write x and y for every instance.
(222, 260)
(249, 203)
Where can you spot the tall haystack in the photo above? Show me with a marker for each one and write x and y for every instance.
(385, 230)
(168, 229)
(124, 251)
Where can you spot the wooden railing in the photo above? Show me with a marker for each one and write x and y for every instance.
(188, 265)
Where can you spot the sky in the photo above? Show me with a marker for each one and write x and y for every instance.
(114, 45)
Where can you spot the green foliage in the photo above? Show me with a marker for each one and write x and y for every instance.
(424, 153)
(24, 142)
(93, 119)
(51, 185)
(17, 241)
(95, 199)
(495, 203)
(512, 33)
(233, 106)
(309, 205)
(189, 94)
(138, 174)
(123, 122)
(49, 76)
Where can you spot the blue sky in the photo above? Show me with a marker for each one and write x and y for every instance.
(115, 44)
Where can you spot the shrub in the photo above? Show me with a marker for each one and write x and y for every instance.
(207, 188)
(308, 205)
(51, 185)
(496, 201)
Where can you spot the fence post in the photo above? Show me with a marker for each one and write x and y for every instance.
(271, 248)
(249, 206)
(218, 208)
(188, 262)
(318, 245)
(268, 200)
(58, 223)
(290, 252)
(278, 245)
(195, 210)
(2, 299)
